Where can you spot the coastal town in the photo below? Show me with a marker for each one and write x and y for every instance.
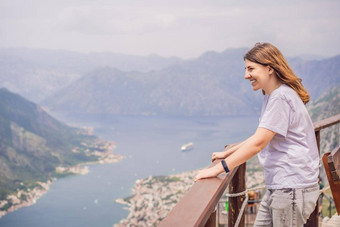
(103, 150)
(154, 197)
(24, 198)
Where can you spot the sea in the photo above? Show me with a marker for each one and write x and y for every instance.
(151, 146)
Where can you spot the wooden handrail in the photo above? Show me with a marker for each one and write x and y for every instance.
(195, 208)
(198, 204)
(326, 122)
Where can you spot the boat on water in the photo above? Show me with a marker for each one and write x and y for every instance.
(187, 147)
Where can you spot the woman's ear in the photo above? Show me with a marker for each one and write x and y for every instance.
(270, 69)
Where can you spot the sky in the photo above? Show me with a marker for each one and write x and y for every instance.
(182, 28)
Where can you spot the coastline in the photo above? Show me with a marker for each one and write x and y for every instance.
(25, 198)
(154, 197)
(31, 196)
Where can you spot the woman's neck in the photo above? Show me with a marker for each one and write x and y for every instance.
(273, 86)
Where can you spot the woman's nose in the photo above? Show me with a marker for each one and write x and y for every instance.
(246, 75)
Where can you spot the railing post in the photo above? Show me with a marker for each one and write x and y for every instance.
(313, 220)
(212, 220)
(237, 184)
(317, 136)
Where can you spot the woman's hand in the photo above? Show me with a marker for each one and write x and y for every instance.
(209, 172)
(218, 155)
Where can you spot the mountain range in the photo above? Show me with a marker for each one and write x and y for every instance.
(42, 72)
(209, 85)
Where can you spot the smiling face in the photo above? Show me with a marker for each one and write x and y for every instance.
(258, 75)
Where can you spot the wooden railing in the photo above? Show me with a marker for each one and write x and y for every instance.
(198, 206)
(313, 220)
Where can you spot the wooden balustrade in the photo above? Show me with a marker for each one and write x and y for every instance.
(198, 206)
(313, 220)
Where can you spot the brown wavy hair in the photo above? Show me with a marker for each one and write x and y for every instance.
(268, 55)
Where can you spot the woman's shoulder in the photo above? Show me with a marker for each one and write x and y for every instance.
(285, 92)
(288, 95)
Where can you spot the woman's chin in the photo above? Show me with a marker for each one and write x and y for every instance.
(255, 88)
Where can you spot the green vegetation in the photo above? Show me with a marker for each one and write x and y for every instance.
(328, 208)
(33, 144)
(166, 179)
(327, 105)
(167, 197)
(127, 199)
(8, 205)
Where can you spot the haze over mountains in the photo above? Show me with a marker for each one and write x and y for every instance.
(210, 85)
(38, 73)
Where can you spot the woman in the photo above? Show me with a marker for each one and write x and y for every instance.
(284, 142)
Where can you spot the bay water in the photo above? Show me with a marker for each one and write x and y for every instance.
(151, 146)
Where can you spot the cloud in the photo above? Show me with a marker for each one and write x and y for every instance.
(181, 28)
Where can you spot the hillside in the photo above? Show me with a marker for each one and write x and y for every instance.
(211, 85)
(204, 86)
(33, 144)
(327, 105)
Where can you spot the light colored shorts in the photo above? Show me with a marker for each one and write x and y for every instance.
(287, 207)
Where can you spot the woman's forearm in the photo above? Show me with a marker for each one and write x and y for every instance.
(245, 151)
(229, 151)
(250, 147)
(240, 153)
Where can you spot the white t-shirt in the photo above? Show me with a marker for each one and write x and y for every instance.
(291, 159)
